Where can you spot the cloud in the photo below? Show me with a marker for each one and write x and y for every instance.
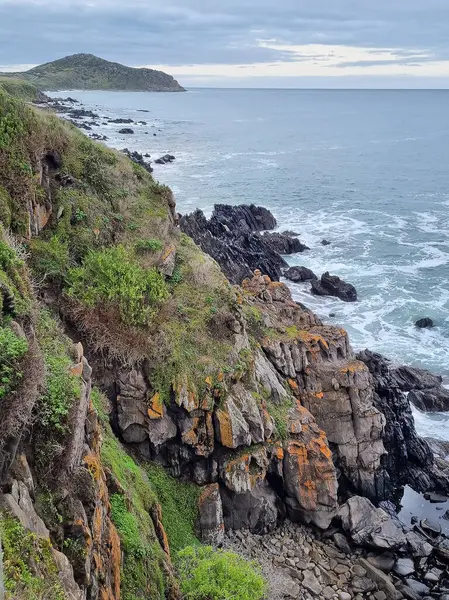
(315, 38)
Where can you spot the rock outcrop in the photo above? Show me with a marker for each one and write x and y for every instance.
(331, 285)
(297, 274)
(426, 390)
(231, 236)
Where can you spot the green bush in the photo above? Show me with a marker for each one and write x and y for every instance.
(151, 245)
(113, 276)
(208, 574)
(50, 258)
(12, 349)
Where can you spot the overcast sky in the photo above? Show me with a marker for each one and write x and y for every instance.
(257, 43)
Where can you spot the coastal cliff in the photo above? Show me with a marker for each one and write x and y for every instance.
(146, 402)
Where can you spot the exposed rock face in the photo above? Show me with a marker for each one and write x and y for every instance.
(297, 274)
(432, 400)
(137, 158)
(231, 237)
(331, 285)
(409, 457)
(412, 378)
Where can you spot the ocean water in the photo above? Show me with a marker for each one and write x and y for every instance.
(367, 170)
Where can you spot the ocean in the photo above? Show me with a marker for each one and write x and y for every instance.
(365, 169)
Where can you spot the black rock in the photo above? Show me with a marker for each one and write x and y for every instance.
(433, 400)
(142, 110)
(163, 160)
(284, 243)
(412, 378)
(331, 285)
(78, 113)
(123, 121)
(434, 498)
(297, 274)
(98, 136)
(126, 130)
(154, 134)
(137, 158)
(142, 122)
(230, 237)
(409, 458)
(325, 243)
(425, 323)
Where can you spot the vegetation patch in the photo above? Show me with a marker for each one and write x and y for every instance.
(12, 349)
(30, 572)
(208, 574)
(179, 502)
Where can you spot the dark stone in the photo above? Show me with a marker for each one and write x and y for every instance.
(137, 158)
(143, 110)
(342, 543)
(124, 121)
(409, 459)
(79, 113)
(424, 323)
(230, 237)
(433, 400)
(297, 274)
(434, 498)
(126, 131)
(163, 160)
(284, 243)
(325, 243)
(419, 588)
(384, 562)
(99, 137)
(331, 285)
(142, 122)
(256, 510)
(412, 378)
(430, 527)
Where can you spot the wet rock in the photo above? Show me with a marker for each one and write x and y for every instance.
(370, 526)
(297, 274)
(78, 113)
(404, 567)
(430, 400)
(126, 131)
(434, 498)
(434, 575)
(331, 285)
(325, 243)
(430, 527)
(163, 160)
(418, 545)
(244, 217)
(382, 581)
(424, 323)
(342, 543)
(122, 121)
(283, 243)
(442, 549)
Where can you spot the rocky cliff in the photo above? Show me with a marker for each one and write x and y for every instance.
(224, 406)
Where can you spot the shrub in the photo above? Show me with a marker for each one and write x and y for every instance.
(50, 258)
(12, 349)
(150, 245)
(30, 572)
(114, 277)
(208, 574)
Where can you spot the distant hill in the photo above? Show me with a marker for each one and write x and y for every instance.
(88, 72)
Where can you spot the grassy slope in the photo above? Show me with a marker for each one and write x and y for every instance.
(20, 88)
(109, 203)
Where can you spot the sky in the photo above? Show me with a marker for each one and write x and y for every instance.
(241, 43)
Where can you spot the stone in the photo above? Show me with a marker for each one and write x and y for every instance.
(382, 581)
(363, 585)
(435, 498)
(380, 595)
(419, 588)
(297, 274)
(341, 569)
(434, 575)
(311, 583)
(430, 527)
(126, 131)
(370, 526)
(424, 323)
(66, 578)
(411, 378)
(328, 593)
(385, 561)
(442, 549)
(418, 545)
(138, 159)
(344, 596)
(325, 243)
(331, 285)
(342, 543)
(283, 242)
(404, 567)
(359, 570)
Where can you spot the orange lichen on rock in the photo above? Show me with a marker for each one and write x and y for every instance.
(77, 370)
(354, 366)
(92, 463)
(116, 557)
(156, 407)
(225, 428)
(293, 384)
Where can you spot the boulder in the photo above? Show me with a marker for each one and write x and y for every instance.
(420, 588)
(256, 510)
(325, 243)
(163, 160)
(126, 131)
(244, 217)
(297, 274)
(425, 323)
(137, 158)
(370, 526)
(430, 400)
(331, 285)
